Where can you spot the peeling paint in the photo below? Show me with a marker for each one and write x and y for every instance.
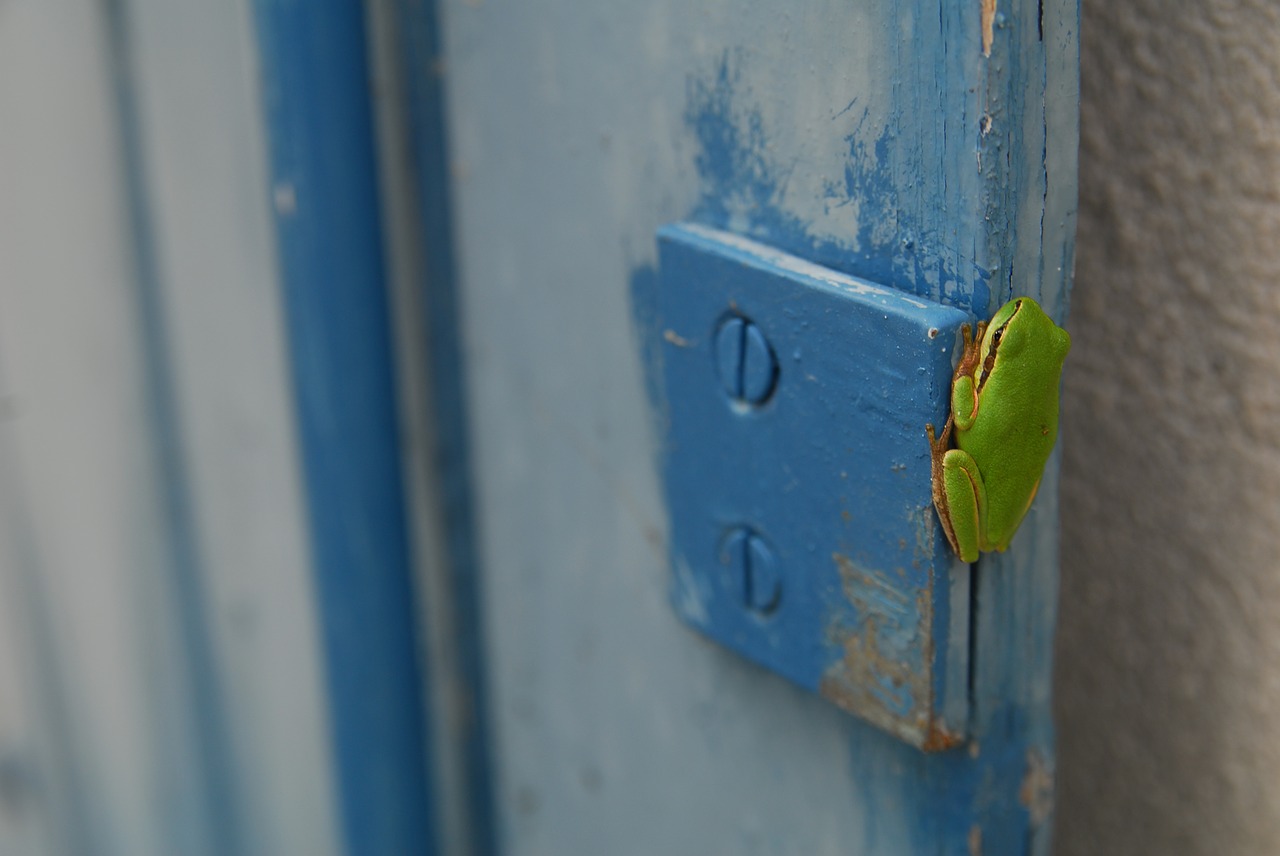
(939, 739)
(676, 339)
(1037, 789)
(876, 678)
(687, 596)
(894, 241)
(988, 25)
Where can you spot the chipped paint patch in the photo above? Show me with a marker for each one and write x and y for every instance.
(885, 236)
(676, 339)
(939, 739)
(1036, 794)
(740, 181)
(988, 25)
(687, 595)
(876, 676)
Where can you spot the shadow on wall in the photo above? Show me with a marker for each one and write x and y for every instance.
(1168, 681)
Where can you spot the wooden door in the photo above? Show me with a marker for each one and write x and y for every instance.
(928, 147)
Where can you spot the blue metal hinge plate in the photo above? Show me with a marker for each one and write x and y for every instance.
(797, 478)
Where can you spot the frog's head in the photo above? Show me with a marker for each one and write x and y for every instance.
(1005, 334)
(1020, 327)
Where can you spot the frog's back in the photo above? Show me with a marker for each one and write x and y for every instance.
(1013, 442)
(1012, 469)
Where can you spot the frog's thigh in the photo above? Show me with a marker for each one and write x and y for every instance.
(964, 402)
(966, 501)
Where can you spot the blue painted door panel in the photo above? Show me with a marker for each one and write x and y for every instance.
(923, 146)
(324, 188)
(205, 469)
(203, 547)
(824, 485)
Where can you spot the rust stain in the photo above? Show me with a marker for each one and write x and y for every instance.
(676, 339)
(1036, 793)
(938, 739)
(877, 676)
(851, 681)
(975, 840)
(865, 666)
(988, 25)
(866, 672)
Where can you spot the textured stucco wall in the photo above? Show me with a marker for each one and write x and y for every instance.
(1169, 645)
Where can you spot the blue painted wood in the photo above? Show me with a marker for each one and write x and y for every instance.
(423, 63)
(159, 566)
(220, 303)
(324, 191)
(927, 146)
(203, 814)
(832, 472)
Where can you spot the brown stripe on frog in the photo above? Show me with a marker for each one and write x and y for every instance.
(989, 362)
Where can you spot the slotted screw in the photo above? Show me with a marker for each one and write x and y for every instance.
(748, 367)
(753, 570)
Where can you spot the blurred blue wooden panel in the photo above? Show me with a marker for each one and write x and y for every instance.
(416, 186)
(182, 692)
(84, 552)
(207, 257)
(324, 179)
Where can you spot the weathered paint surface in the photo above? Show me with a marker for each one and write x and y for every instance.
(875, 139)
(830, 467)
(874, 679)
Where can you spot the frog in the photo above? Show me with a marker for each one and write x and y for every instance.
(1004, 418)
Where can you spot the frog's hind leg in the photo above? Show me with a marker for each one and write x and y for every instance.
(938, 447)
(966, 501)
(964, 383)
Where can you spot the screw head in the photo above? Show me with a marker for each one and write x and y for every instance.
(747, 364)
(753, 570)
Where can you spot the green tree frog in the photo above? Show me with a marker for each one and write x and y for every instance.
(1004, 411)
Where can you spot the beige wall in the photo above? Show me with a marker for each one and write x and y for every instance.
(1168, 681)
